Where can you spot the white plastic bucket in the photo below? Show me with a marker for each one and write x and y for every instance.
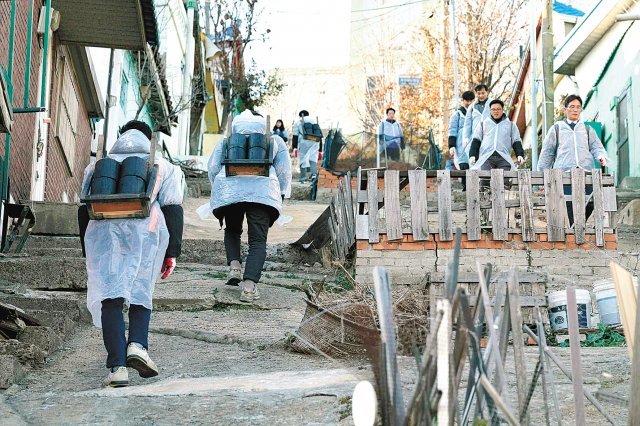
(605, 291)
(558, 309)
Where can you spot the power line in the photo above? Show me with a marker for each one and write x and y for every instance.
(388, 7)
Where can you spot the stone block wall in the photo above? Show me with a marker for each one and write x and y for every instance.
(566, 263)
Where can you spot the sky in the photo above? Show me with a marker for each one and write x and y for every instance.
(304, 33)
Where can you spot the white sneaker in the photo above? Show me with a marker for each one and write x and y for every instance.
(249, 296)
(117, 378)
(139, 360)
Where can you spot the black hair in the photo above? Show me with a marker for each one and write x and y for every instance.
(496, 101)
(468, 95)
(254, 112)
(303, 113)
(481, 86)
(137, 125)
(275, 125)
(389, 109)
(572, 98)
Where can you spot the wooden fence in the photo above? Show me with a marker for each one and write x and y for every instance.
(336, 226)
(533, 203)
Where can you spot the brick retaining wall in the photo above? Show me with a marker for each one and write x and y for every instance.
(409, 261)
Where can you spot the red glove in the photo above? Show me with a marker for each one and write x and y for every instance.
(295, 153)
(320, 156)
(168, 266)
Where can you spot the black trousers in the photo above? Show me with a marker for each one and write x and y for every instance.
(393, 154)
(495, 161)
(588, 210)
(113, 329)
(463, 166)
(259, 219)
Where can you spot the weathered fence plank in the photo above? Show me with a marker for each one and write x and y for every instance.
(518, 339)
(499, 222)
(598, 206)
(444, 206)
(372, 203)
(349, 198)
(574, 345)
(578, 203)
(473, 206)
(392, 204)
(419, 208)
(556, 207)
(526, 205)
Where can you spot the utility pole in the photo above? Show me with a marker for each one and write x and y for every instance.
(207, 16)
(444, 37)
(533, 79)
(454, 52)
(185, 119)
(547, 66)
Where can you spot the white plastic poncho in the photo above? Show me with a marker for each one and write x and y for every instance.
(307, 150)
(389, 135)
(577, 148)
(124, 256)
(456, 127)
(471, 122)
(227, 190)
(496, 137)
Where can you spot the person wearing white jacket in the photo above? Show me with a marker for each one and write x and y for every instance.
(457, 149)
(493, 141)
(125, 257)
(259, 198)
(570, 143)
(309, 152)
(476, 114)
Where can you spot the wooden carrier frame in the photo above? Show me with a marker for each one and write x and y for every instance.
(122, 206)
(248, 167)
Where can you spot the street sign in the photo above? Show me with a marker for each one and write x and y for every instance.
(409, 81)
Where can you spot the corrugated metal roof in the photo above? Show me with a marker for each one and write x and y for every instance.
(586, 34)
(118, 24)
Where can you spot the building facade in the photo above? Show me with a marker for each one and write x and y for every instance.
(601, 55)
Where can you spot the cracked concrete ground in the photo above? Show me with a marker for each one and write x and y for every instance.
(222, 362)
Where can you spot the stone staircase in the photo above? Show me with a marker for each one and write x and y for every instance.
(48, 281)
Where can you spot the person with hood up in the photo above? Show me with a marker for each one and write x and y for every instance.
(457, 149)
(259, 198)
(476, 114)
(125, 257)
(390, 136)
(308, 151)
(570, 143)
(493, 141)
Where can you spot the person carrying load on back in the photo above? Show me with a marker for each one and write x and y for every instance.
(259, 198)
(571, 143)
(457, 149)
(493, 141)
(309, 150)
(390, 136)
(125, 257)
